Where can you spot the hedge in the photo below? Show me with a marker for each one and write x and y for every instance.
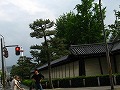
(81, 81)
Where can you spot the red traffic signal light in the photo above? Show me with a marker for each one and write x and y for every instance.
(17, 50)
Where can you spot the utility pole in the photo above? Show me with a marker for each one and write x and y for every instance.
(3, 71)
(107, 50)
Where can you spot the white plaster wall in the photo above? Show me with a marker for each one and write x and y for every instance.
(112, 64)
(92, 67)
(51, 73)
(55, 72)
(104, 65)
(61, 72)
(58, 72)
(76, 68)
(67, 70)
(63, 67)
(45, 73)
(118, 62)
(71, 69)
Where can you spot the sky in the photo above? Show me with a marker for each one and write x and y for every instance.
(16, 15)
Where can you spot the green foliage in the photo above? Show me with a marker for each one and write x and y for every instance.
(40, 26)
(56, 46)
(27, 82)
(115, 28)
(83, 27)
(41, 30)
(57, 49)
(36, 56)
(23, 67)
(14, 70)
(118, 79)
(65, 26)
(81, 81)
(90, 81)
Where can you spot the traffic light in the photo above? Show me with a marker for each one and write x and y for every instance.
(5, 54)
(17, 50)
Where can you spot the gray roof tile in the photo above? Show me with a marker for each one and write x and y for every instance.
(86, 49)
(54, 62)
(116, 46)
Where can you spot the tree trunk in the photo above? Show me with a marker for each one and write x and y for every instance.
(107, 50)
(49, 61)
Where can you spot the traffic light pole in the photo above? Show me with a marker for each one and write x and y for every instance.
(2, 59)
(3, 71)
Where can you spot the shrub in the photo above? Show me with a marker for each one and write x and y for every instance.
(77, 82)
(104, 80)
(118, 79)
(91, 81)
(64, 83)
(27, 82)
(55, 83)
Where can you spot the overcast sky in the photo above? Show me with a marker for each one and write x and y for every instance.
(16, 15)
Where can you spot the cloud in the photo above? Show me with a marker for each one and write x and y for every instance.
(12, 10)
(26, 5)
(3, 15)
(29, 6)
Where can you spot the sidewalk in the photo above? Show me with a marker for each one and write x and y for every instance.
(83, 88)
(88, 88)
(117, 87)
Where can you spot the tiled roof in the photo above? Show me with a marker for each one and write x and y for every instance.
(89, 49)
(116, 46)
(54, 62)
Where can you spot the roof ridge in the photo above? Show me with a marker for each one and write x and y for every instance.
(91, 44)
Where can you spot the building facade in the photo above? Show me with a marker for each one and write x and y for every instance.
(85, 60)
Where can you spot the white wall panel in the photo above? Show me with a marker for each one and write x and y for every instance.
(118, 62)
(76, 68)
(92, 67)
